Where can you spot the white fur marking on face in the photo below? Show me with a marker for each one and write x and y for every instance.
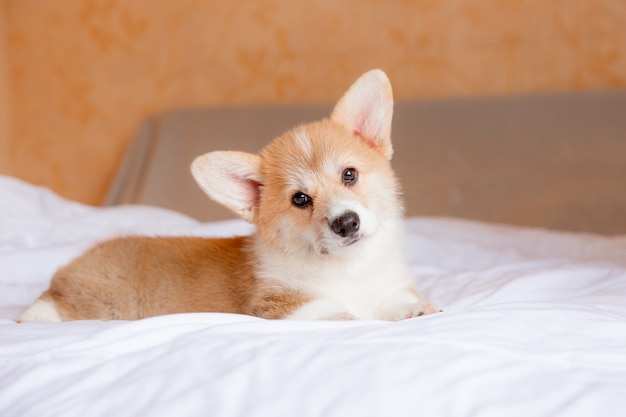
(41, 310)
(303, 141)
(369, 222)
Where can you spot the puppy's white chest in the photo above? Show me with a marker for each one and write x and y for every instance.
(360, 289)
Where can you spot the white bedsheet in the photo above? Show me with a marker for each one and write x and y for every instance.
(534, 325)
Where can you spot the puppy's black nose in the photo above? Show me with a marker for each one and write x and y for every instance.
(347, 224)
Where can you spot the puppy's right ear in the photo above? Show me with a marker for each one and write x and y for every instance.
(231, 179)
(366, 110)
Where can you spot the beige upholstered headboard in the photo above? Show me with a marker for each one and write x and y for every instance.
(552, 160)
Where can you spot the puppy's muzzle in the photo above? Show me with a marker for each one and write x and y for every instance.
(346, 225)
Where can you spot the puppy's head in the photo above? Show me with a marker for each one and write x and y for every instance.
(320, 187)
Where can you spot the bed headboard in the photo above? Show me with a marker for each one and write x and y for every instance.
(551, 160)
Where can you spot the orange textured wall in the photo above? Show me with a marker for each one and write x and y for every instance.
(5, 127)
(83, 73)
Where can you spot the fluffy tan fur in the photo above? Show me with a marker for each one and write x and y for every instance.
(135, 277)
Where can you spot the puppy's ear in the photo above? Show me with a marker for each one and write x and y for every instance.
(231, 179)
(366, 110)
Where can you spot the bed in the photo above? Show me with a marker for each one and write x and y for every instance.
(534, 320)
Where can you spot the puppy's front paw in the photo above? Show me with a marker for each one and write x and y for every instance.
(321, 309)
(420, 308)
(411, 310)
(341, 316)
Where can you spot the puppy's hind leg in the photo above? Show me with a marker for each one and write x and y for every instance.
(42, 310)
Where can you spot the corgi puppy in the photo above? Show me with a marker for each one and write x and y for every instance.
(328, 243)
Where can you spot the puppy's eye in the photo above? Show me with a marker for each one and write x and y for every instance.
(349, 176)
(301, 200)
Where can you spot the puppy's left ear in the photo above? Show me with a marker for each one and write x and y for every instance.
(232, 179)
(366, 110)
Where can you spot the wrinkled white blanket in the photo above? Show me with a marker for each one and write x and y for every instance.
(534, 325)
